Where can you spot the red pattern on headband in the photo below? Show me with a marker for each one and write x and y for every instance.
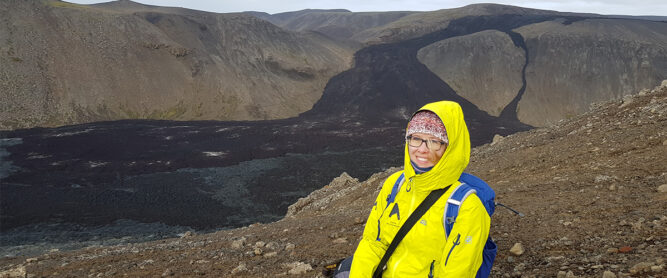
(429, 123)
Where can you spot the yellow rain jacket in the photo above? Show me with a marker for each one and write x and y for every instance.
(425, 251)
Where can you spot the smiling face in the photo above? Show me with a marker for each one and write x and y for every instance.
(422, 156)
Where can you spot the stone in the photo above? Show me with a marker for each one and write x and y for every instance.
(188, 234)
(496, 139)
(340, 240)
(603, 178)
(626, 101)
(657, 268)
(258, 251)
(553, 259)
(608, 274)
(359, 220)
(271, 254)
(662, 188)
(641, 268)
(570, 275)
(241, 268)
(167, 272)
(300, 268)
(273, 245)
(561, 274)
(238, 244)
(517, 249)
(259, 244)
(290, 246)
(520, 267)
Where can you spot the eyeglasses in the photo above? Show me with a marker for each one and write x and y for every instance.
(432, 144)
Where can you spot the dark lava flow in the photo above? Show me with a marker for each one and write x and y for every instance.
(209, 174)
(177, 172)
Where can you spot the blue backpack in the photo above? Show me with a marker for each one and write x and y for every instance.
(469, 185)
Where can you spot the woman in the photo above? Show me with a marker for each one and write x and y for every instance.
(436, 153)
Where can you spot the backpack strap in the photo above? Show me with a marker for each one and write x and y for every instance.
(453, 205)
(392, 196)
(407, 226)
(395, 189)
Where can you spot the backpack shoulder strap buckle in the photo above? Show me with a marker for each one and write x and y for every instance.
(459, 194)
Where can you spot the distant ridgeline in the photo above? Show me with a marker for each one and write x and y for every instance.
(67, 64)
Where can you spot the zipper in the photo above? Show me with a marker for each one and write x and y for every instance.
(456, 242)
(412, 206)
(430, 274)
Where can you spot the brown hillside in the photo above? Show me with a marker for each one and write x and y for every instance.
(539, 72)
(338, 24)
(632, 55)
(422, 23)
(65, 63)
(568, 65)
(484, 67)
(593, 190)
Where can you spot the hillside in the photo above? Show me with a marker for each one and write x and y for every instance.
(558, 67)
(593, 190)
(66, 64)
(419, 24)
(537, 66)
(338, 24)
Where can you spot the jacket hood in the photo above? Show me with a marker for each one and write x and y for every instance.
(455, 158)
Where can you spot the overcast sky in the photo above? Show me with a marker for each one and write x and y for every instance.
(621, 7)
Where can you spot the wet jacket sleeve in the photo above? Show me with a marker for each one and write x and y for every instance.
(370, 250)
(462, 255)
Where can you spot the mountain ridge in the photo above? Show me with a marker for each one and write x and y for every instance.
(69, 64)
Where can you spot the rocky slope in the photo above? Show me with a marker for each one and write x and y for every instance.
(593, 190)
(65, 63)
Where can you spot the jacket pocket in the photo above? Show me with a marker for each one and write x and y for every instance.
(457, 241)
